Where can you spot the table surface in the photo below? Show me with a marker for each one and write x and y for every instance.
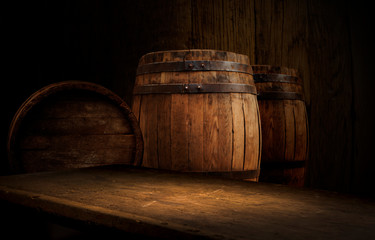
(174, 205)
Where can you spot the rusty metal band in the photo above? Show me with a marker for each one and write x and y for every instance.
(248, 174)
(187, 66)
(280, 96)
(192, 88)
(280, 78)
(283, 165)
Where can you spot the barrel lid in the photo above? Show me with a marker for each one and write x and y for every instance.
(45, 93)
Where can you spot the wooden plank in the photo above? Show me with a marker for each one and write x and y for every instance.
(164, 143)
(76, 112)
(161, 204)
(41, 153)
(331, 123)
(273, 130)
(59, 159)
(151, 128)
(137, 99)
(196, 129)
(260, 135)
(291, 123)
(179, 132)
(76, 142)
(143, 124)
(225, 128)
(301, 128)
(210, 132)
(78, 107)
(252, 138)
(136, 104)
(76, 126)
(238, 132)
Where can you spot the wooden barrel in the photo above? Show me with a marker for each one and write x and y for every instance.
(73, 124)
(198, 112)
(284, 124)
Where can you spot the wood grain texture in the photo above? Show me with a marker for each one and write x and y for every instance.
(164, 132)
(143, 120)
(281, 32)
(225, 128)
(224, 25)
(252, 136)
(197, 132)
(211, 132)
(331, 115)
(165, 205)
(179, 132)
(238, 133)
(73, 124)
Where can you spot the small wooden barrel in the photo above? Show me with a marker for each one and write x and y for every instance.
(198, 112)
(73, 124)
(284, 124)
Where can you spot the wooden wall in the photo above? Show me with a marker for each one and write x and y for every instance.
(329, 42)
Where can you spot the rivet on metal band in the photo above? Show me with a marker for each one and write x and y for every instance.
(192, 88)
(186, 66)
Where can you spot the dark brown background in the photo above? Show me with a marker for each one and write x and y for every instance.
(329, 42)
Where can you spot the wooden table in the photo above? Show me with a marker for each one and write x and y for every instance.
(146, 202)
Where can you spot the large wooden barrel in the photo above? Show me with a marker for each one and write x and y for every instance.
(73, 124)
(198, 112)
(284, 124)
